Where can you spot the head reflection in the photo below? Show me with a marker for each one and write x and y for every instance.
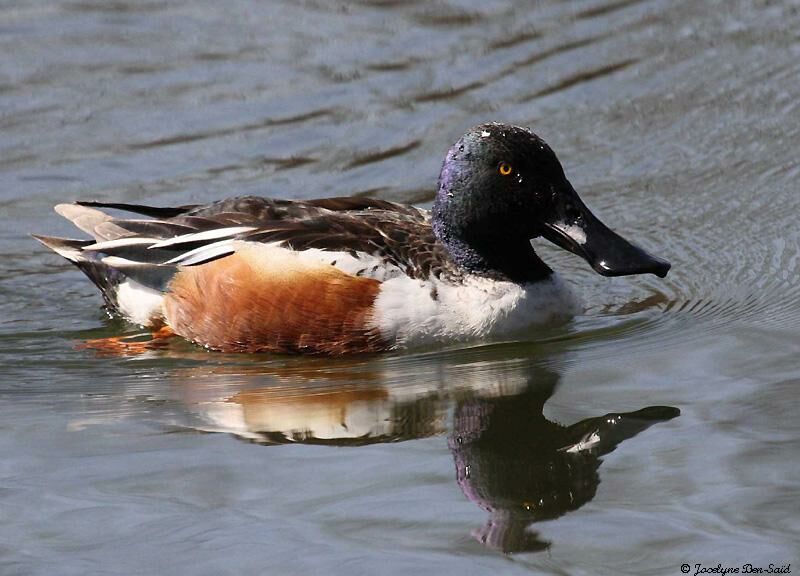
(509, 458)
(523, 468)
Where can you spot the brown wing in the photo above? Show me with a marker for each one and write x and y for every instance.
(400, 234)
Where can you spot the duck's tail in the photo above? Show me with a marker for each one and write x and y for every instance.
(104, 277)
(131, 280)
(133, 261)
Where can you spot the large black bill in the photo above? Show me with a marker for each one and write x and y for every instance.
(573, 227)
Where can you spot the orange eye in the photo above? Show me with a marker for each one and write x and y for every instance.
(505, 168)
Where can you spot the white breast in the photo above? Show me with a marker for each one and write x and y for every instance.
(417, 313)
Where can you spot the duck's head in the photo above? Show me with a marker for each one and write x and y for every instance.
(501, 186)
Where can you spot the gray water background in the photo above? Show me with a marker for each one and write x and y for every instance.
(677, 122)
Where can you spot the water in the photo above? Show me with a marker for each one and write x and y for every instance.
(677, 123)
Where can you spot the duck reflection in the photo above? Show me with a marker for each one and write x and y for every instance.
(509, 458)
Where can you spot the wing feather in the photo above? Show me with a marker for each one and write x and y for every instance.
(191, 235)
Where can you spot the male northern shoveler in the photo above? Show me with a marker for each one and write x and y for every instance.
(340, 275)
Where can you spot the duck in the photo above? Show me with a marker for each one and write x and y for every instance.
(354, 274)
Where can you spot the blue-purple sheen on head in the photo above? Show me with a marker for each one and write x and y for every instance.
(471, 167)
(485, 207)
(481, 148)
(499, 187)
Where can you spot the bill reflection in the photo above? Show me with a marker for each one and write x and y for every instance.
(523, 468)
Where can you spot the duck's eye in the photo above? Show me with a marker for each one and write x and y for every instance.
(504, 168)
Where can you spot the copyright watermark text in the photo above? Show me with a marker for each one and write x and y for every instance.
(698, 569)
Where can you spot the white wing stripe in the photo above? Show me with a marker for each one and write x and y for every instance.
(203, 236)
(204, 253)
(128, 241)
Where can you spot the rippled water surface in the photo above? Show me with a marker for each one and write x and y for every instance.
(658, 428)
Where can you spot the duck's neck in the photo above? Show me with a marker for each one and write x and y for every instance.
(501, 256)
